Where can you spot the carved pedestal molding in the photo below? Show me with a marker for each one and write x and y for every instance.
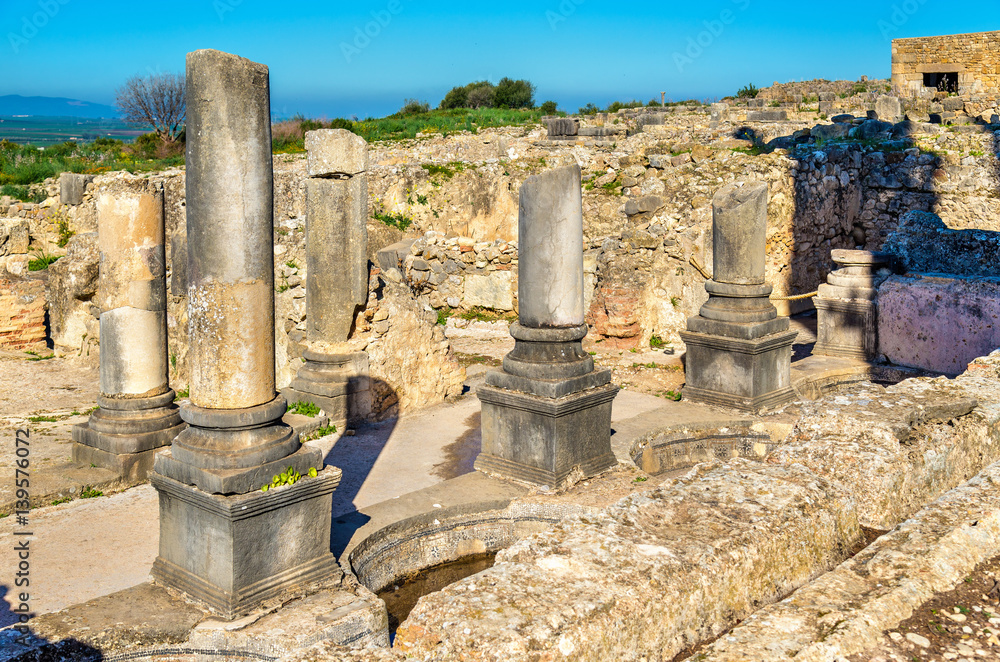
(136, 414)
(847, 305)
(222, 540)
(738, 350)
(547, 413)
(335, 378)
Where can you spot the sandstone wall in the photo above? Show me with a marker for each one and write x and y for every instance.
(975, 57)
(22, 314)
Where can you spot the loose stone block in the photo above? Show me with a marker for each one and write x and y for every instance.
(15, 236)
(547, 413)
(222, 540)
(136, 414)
(889, 109)
(846, 308)
(494, 291)
(334, 152)
(72, 186)
(767, 116)
(738, 349)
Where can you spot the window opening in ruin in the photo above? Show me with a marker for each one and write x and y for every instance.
(942, 82)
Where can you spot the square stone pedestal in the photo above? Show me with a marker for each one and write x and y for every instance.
(124, 435)
(130, 456)
(340, 387)
(748, 374)
(539, 439)
(234, 552)
(846, 327)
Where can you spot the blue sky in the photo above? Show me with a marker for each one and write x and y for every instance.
(323, 63)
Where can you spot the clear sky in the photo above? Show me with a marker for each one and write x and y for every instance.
(323, 63)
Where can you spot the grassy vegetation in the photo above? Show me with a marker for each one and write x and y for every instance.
(304, 409)
(24, 165)
(288, 137)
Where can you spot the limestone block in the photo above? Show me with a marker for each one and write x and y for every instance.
(494, 291)
(72, 285)
(133, 351)
(72, 186)
(938, 324)
(336, 152)
(889, 109)
(767, 116)
(14, 236)
(16, 265)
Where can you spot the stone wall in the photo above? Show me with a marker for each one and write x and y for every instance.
(974, 57)
(22, 314)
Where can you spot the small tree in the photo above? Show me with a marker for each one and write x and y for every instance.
(514, 94)
(548, 108)
(458, 97)
(156, 100)
(481, 95)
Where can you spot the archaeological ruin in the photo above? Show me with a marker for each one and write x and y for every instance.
(962, 64)
(692, 382)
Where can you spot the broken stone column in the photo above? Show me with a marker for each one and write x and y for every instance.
(547, 413)
(335, 378)
(738, 350)
(719, 114)
(136, 414)
(223, 540)
(847, 308)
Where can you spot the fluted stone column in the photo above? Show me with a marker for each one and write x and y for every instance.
(547, 413)
(222, 540)
(334, 377)
(136, 414)
(738, 349)
(847, 308)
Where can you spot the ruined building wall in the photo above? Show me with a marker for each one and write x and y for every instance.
(974, 57)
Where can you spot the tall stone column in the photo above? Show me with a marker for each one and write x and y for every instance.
(847, 309)
(136, 414)
(335, 378)
(547, 413)
(223, 540)
(738, 350)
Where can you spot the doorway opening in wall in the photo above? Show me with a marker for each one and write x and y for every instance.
(942, 82)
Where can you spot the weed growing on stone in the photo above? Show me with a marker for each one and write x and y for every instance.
(42, 419)
(35, 356)
(656, 342)
(291, 264)
(183, 393)
(443, 316)
(479, 314)
(62, 500)
(41, 261)
(287, 477)
(90, 493)
(398, 221)
(324, 431)
(309, 409)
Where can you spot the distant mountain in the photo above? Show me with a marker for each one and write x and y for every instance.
(14, 104)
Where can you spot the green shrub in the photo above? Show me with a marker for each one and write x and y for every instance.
(511, 93)
(749, 92)
(413, 107)
(41, 260)
(549, 108)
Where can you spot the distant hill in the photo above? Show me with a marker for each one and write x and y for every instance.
(14, 104)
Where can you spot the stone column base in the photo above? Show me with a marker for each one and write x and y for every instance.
(846, 327)
(232, 553)
(543, 440)
(336, 383)
(124, 434)
(747, 374)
